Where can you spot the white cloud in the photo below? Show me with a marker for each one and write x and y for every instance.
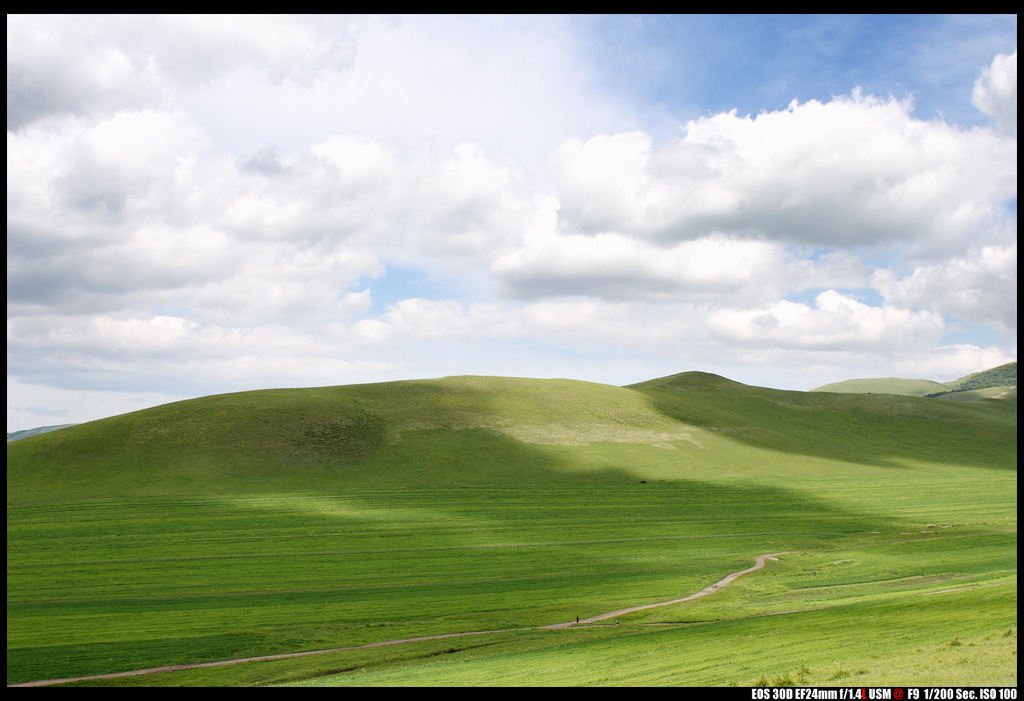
(472, 206)
(286, 284)
(97, 65)
(638, 327)
(572, 324)
(855, 171)
(173, 354)
(370, 331)
(215, 203)
(81, 179)
(835, 322)
(99, 223)
(714, 269)
(423, 319)
(31, 405)
(516, 84)
(982, 288)
(946, 363)
(995, 92)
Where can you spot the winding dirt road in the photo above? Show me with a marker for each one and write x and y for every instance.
(603, 617)
(703, 592)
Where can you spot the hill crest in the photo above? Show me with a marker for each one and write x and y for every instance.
(490, 430)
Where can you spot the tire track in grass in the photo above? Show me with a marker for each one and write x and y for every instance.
(760, 562)
(703, 592)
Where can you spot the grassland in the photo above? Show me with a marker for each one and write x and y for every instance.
(289, 520)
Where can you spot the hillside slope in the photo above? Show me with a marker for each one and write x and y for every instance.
(487, 430)
(998, 381)
(886, 385)
(995, 382)
(866, 428)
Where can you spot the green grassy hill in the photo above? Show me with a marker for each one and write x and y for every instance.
(483, 430)
(996, 382)
(279, 521)
(1002, 376)
(880, 430)
(477, 430)
(886, 385)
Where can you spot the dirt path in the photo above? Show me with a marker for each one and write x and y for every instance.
(703, 592)
(603, 617)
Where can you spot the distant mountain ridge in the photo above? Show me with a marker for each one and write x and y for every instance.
(17, 435)
(979, 385)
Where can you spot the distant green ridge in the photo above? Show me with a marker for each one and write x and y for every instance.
(886, 385)
(996, 382)
(18, 435)
(1002, 376)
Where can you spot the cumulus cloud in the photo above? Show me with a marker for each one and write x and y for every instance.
(133, 210)
(287, 284)
(146, 248)
(97, 65)
(835, 322)
(473, 206)
(855, 171)
(79, 181)
(572, 324)
(173, 354)
(714, 268)
(981, 289)
(995, 92)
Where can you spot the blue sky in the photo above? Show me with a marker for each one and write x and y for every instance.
(695, 65)
(200, 205)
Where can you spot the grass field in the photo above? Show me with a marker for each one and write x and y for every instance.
(292, 520)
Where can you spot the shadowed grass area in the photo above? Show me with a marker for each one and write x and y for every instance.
(871, 429)
(155, 574)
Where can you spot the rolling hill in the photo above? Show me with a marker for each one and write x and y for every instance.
(886, 385)
(483, 430)
(18, 435)
(277, 521)
(987, 384)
